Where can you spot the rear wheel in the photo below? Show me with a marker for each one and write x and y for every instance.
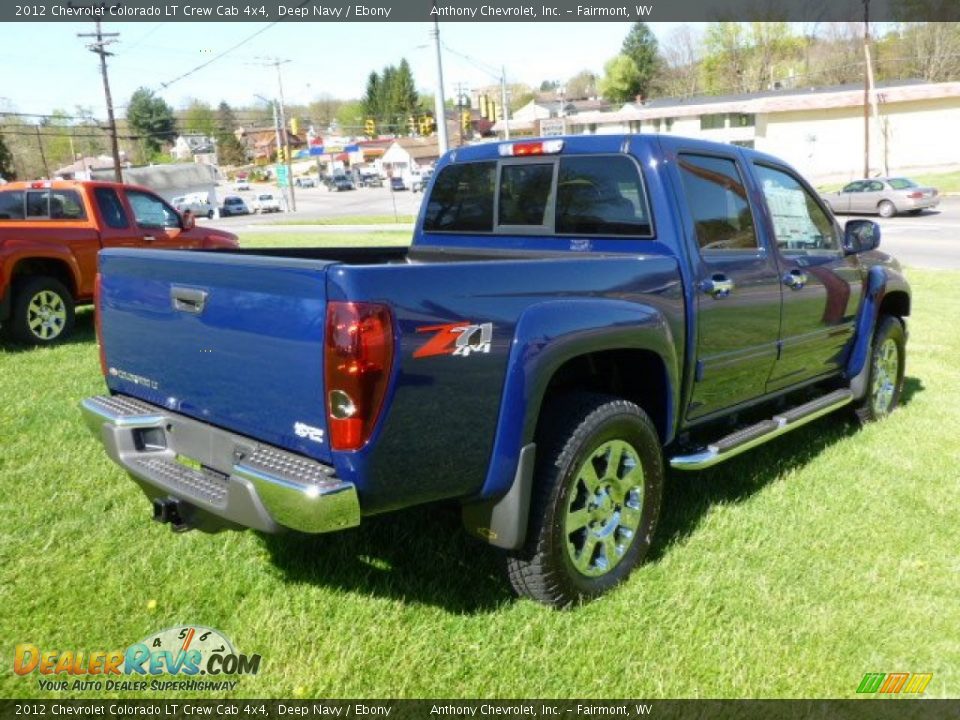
(885, 381)
(596, 500)
(43, 311)
(886, 209)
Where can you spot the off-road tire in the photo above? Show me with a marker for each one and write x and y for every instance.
(49, 296)
(883, 385)
(577, 427)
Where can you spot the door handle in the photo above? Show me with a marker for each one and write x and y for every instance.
(189, 300)
(717, 285)
(795, 279)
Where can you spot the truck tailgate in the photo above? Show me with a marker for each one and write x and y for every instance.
(232, 340)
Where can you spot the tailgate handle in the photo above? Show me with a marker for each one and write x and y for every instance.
(188, 300)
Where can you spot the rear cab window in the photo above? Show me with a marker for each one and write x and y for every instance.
(596, 195)
(51, 204)
(11, 205)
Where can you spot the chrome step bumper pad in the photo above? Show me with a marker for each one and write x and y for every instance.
(231, 477)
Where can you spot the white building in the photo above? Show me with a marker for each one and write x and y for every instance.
(819, 130)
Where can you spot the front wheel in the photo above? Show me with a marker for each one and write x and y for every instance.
(43, 312)
(596, 500)
(885, 381)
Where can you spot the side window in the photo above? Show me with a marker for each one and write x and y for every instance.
(800, 225)
(462, 199)
(718, 202)
(524, 194)
(54, 205)
(151, 212)
(875, 186)
(601, 195)
(854, 187)
(111, 208)
(11, 205)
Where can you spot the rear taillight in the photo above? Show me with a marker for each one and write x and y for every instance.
(357, 360)
(915, 195)
(97, 312)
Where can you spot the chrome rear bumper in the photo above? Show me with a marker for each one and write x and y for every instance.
(221, 479)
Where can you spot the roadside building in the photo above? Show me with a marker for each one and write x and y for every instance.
(194, 147)
(818, 130)
(409, 156)
(170, 181)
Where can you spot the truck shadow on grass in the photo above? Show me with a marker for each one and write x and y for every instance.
(422, 555)
(689, 496)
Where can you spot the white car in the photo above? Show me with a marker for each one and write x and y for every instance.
(242, 185)
(265, 202)
(199, 205)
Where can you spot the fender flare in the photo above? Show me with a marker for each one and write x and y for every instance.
(548, 335)
(59, 253)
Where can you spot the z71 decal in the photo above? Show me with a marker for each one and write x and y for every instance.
(456, 339)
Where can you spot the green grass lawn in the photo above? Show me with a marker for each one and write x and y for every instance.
(788, 572)
(324, 239)
(351, 220)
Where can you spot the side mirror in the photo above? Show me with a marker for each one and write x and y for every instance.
(861, 236)
(189, 221)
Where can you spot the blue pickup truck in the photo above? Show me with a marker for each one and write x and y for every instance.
(574, 315)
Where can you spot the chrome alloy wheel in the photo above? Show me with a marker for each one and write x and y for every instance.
(604, 508)
(46, 315)
(886, 371)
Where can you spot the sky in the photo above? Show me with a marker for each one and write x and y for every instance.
(45, 66)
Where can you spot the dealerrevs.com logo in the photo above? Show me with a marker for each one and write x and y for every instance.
(204, 658)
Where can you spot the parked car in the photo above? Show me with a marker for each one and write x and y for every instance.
(198, 204)
(562, 328)
(50, 233)
(372, 181)
(882, 196)
(338, 183)
(420, 181)
(396, 183)
(305, 182)
(266, 203)
(234, 205)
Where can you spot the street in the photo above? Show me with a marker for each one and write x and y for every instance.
(929, 240)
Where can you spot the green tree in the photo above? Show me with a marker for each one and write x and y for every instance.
(621, 77)
(230, 150)
(350, 117)
(198, 117)
(549, 86)
(641, 46)
(403, 92)
(582, 85)
(373, 98)
(151, 119)
(7, 169)
(57, 139)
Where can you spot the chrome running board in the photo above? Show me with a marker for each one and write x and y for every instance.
(747, 438)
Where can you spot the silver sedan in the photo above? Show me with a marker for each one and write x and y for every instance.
(884, 196)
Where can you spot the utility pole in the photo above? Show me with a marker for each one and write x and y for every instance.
(43, 157)
(503, 101)
(286, 133)
(460, 111)
(439, 104)
(866, 89)
(98, 47)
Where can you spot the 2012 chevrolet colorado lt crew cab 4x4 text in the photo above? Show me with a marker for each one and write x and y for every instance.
(574, 315)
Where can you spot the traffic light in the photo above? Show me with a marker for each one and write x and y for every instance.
(294, 126)
(484, 110)
(370, 127)
(426, 124)
(281, 155)
(465, 120)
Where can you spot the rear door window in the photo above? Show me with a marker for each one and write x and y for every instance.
(601, 196)
(718, 202)
(111, 208)
(462, 199)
